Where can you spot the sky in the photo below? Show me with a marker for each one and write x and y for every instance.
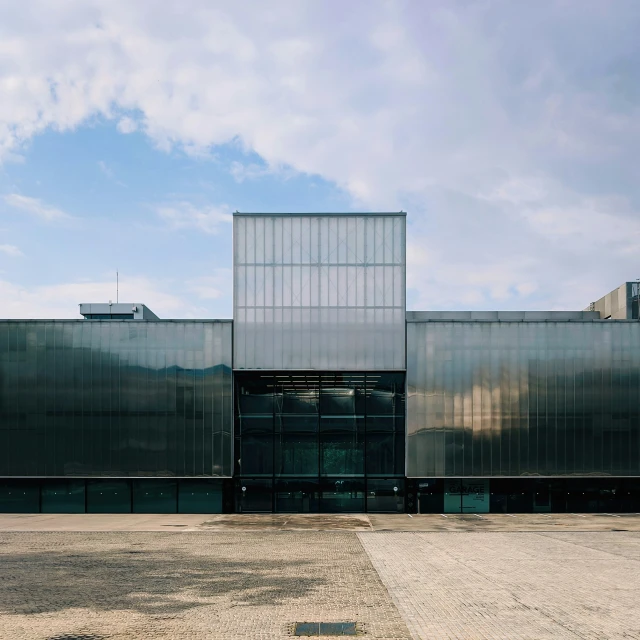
(130, 131)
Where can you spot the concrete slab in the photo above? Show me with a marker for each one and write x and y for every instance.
(506, 586)
(99, 522)
(321, 522)
(507, 522)
(289, 522)
(239, 585)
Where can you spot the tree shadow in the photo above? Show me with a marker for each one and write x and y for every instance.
(147, 579)
(75, 636)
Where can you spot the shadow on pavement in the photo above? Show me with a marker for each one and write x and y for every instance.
(139, 577)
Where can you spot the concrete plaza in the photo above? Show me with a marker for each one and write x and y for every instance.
(113, 577)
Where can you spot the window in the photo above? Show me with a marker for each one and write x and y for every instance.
(109, 316)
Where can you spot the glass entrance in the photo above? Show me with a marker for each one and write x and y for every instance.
(254, 495)
(296, 496)
(319, 442)
(340, 495)
(466, 495)
(385, 495)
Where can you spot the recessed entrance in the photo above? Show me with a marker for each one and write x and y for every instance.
(319, 442)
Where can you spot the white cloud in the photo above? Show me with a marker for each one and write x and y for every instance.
(105, 169)
(10, 250)
(465, 283)
(590, 218)
(62, 300)
(184, 215)
(109, 173)
(253, 171)
(127, 125)
(212, 287)
(35, 207)
(496, 125)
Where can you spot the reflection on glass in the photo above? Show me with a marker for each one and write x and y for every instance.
(115, 398)
(342, 424)
(385, 453)
(255, 424)
(254, 495)
(385, 495)
(342, 495)
(297, 495)
(523, 398)
(338, 402)
(154, 495)
(341, 454)
(108, 496)
(256, 455)
(63, 496)
(296, 454)
(293, 423)
(338, 439)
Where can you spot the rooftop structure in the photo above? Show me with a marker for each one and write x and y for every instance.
(619, 304)
(116, 311)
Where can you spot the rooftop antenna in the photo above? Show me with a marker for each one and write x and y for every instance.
(117, 286)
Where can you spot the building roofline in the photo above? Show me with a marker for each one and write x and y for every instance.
(137, 322)
(335, 214)
(503, 316)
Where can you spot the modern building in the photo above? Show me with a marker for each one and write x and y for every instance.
(619, 304)
(322, 394)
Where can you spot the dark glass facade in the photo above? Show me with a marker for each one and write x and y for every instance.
(115, 398)
(492, 399)
(114, 495)
(308, 441)
(147, 417)
(523, 495)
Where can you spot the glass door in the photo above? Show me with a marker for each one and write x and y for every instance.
(385, 495)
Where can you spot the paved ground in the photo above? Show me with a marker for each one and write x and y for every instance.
(320, 522)
(533, 586)
(225, 579)
(97, 522)
(187, 585)
(508, 522)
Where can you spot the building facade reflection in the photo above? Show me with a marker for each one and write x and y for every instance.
(523, 398)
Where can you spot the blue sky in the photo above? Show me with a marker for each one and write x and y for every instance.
(128, 134)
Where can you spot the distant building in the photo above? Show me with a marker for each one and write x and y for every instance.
(323, 394)
(619, 304)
